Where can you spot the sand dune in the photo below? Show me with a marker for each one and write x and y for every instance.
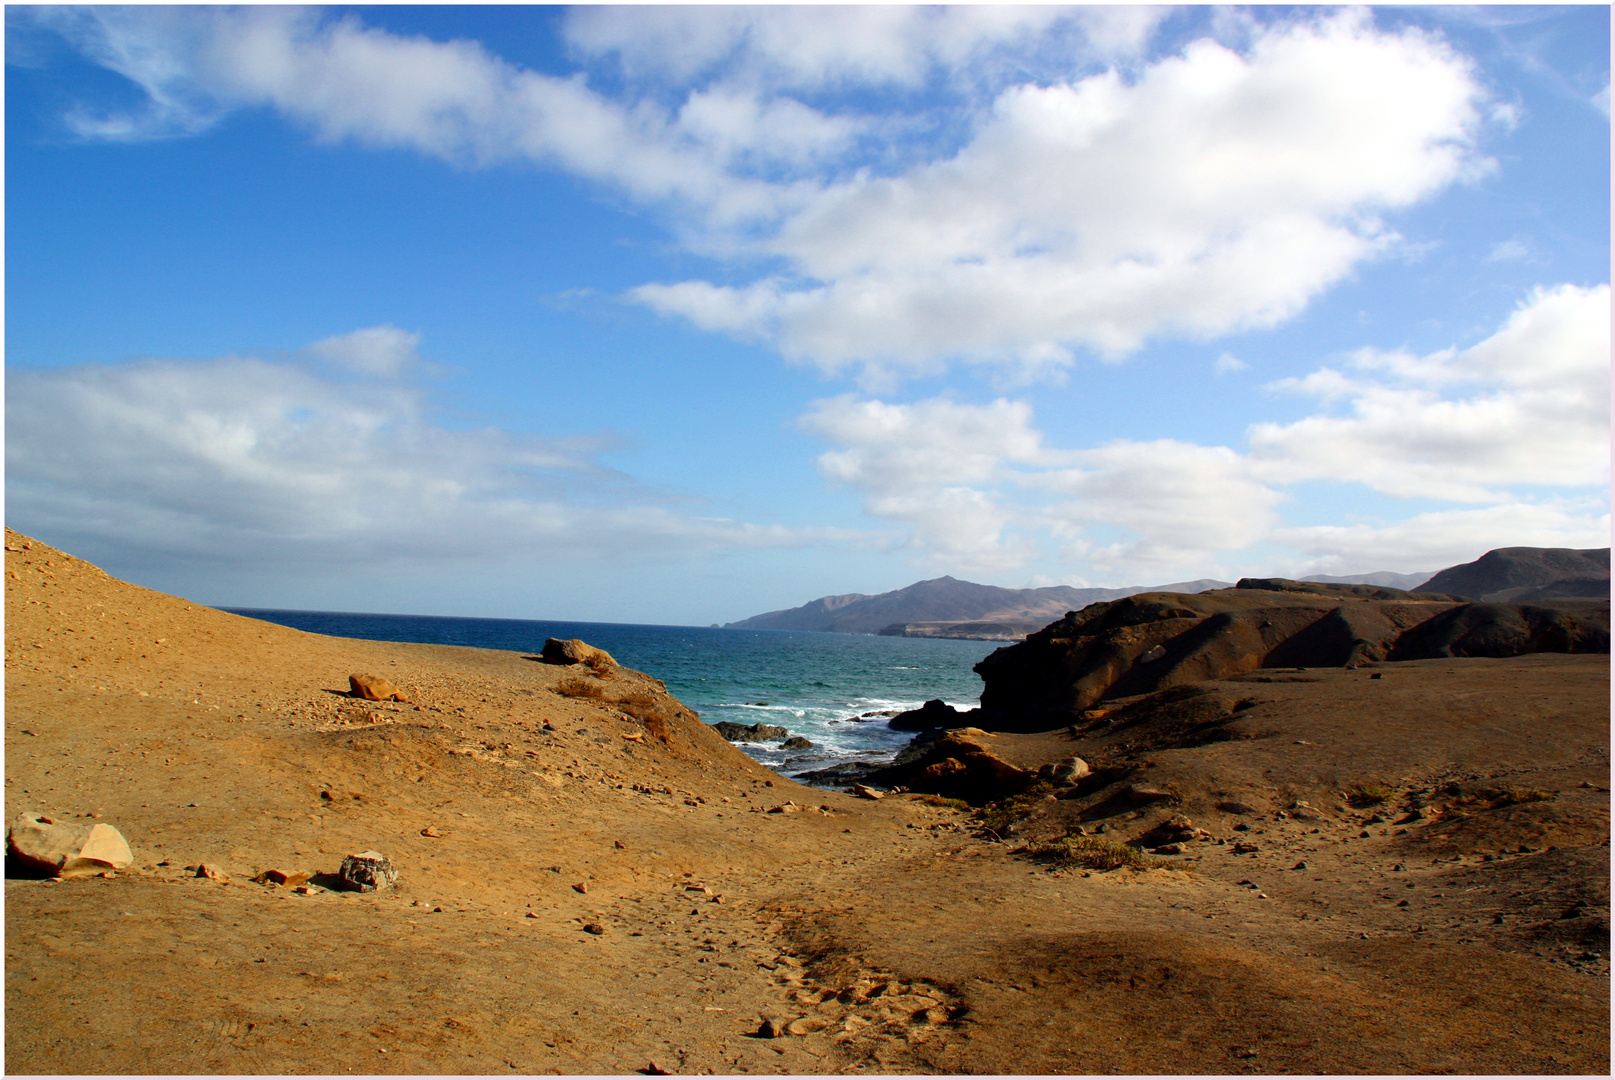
(892, 936)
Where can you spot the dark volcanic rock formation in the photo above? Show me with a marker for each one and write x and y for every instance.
(1154, 641)
(933, 714)
(749, 732)
(1527, 574)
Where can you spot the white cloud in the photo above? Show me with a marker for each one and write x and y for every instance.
(1449, 537)
(1214, 191)
(1228, 363)
(1507, 251)
(935, 466)
(271, 464)
(1204, 192)
(979, 486)
(1182, 504)
(810, 47)
(379, 351)
(1538, 413)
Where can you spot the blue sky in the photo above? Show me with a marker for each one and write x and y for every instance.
(681, 314)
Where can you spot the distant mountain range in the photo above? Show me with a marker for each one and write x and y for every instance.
(948, 607)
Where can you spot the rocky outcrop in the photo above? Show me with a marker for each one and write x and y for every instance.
(40, 845)
(1155, 641)
(933, 714)
(374, 688)
(750, 732)
(1527, 574)
(1509, 630)
(575, 651)
(959, 764)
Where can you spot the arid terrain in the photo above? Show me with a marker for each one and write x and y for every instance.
(1403, 868)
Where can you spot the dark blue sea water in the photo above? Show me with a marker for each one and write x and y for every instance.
(812, 684)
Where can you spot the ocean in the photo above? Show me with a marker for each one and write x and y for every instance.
(814, 685)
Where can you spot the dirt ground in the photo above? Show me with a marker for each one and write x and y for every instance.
(894, 935)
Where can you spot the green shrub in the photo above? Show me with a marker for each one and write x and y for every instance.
(999, 815)
(1509, 795)
(1363, 796)
(938, 800)
(1092, 853)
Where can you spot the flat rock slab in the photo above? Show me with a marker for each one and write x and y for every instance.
(65, 849)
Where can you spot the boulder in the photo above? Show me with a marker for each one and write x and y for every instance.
(1173, 831)
(1068, 771)
(375, 688)
(750, 732)
(976, 776)
(367, 871)
(44, 845)
(574, 651)
(796, 742)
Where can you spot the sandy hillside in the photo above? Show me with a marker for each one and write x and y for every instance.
(523, 802)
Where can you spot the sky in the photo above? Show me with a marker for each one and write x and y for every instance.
(677, 315)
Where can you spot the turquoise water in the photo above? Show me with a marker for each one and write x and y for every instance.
(811, 684)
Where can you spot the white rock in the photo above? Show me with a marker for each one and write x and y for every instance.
(66, 850)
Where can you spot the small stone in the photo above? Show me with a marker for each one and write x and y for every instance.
(593, 928)
(1302, 865)
(619, 845)
(532, 914)
(653, 1069)
(864, 792)
(1168, 849)
(1364, 835)
(770, 1028)
(429, 831)
(212, 873)
(1400, 867)
(282, 878)
(582, 887)
(367, 871)
(1153, 655)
